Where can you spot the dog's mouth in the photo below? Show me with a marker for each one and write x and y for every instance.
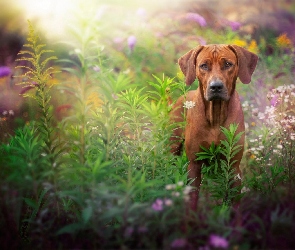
(216, 91)
(217, 96)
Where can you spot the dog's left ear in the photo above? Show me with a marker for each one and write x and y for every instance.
(187, 64)
(247, 62)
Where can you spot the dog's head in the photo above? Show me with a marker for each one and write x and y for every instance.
(217, 68)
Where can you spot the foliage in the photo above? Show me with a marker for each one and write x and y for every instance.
(220, 172)
(94, 171)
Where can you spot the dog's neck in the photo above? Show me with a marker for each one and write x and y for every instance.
(216, 112)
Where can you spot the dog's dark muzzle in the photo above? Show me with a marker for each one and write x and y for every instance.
(216, 91)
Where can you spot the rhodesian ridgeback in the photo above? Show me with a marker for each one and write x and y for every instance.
(213, 104)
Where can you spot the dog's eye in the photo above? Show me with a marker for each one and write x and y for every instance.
(204, 66)
(228, 65)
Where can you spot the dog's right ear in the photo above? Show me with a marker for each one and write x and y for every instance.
(187, 64)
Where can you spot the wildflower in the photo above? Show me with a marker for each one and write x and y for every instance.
(187, 190)
(4, 71)
(176, 194)
(10, 112)
(284, 41)
(157, 205)
(180, 183)
(170, 186)
(131, 42)
(218, 241)
(240, 43)
(234, 25)
(168, 202)
(274, 101)
(253, 47)
(279, 146)
(5, 112)
(196, 18)
(245, 190)
(178, 243)
(238, 177)
(96, 68)
(189, 104)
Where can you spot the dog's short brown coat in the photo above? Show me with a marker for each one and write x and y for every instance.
(216, 102)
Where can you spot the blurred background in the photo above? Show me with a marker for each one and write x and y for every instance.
(137, 37)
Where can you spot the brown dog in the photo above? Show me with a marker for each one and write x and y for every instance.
(215, 103)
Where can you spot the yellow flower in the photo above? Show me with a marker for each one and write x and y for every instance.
(253, 47)
(284, 41)
(252, 156)
(94, 100)
(253, 124)
(240, 42)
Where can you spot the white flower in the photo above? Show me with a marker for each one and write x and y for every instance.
(11, 112)
(180, 183)
(238, 177)
(170, 186)
(245, 189)
(168, 202)
(189, 104)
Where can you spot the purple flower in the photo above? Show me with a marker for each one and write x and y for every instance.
(157, 205)
(274, 101)
(131, 42)
(234, 25)
(178, 243)
(4, 71)
(196, 18)
(218, 241)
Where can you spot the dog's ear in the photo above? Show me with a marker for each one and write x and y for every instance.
(247, 62)
(187, 64)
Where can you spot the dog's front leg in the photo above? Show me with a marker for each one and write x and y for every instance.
(194, 174)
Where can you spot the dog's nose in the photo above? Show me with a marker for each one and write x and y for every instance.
(216, 86)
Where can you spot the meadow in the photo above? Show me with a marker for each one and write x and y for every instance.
(87, 164)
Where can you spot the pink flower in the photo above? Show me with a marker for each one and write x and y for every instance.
(5, 71)
(218, 241)
(157, 205)
(196, 18)
(274, 101)
(131, 42)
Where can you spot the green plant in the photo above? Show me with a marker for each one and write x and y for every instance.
(220, 172)
(37, 75)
